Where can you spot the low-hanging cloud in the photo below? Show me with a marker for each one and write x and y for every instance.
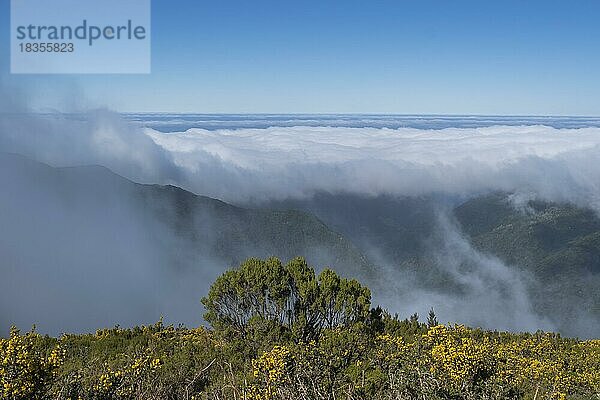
(257, 164)
(479, 289)
(254, 165)
(243, 165)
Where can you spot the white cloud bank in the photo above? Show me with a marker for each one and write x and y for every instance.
(243, 164)
(239, 165)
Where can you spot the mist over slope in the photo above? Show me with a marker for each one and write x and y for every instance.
(557, 244)
(496, 260)
(390, 187)
(83, 248)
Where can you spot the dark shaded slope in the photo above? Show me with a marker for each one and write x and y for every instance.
(387, 228)
(235, 233)
(548, 239)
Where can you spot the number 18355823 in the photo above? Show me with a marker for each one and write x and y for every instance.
(35, 47)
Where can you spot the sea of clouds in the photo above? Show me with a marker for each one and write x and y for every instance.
(280, 162)
(255, 164)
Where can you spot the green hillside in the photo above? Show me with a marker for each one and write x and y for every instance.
(235, 233)
(555, 246)
(558, 244)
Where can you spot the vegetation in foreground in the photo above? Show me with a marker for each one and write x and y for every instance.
(284, 332)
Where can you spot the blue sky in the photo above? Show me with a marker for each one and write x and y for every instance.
(448, 57)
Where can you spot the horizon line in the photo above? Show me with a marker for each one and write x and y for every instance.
(374, 114)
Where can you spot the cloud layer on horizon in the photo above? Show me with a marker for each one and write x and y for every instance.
(261, 164)
(245, 165)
